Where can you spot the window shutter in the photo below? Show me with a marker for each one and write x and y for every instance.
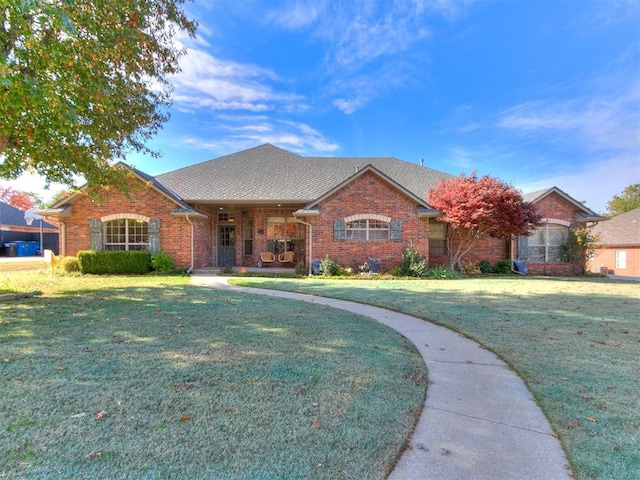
(396, 231)
(95, 228)
(523, 248)
(154, 235)
(339, 231)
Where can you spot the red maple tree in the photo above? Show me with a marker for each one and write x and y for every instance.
(474, 207)
(15, 198)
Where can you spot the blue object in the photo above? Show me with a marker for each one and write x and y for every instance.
(315, 267)
(374, 264)
(521, 267)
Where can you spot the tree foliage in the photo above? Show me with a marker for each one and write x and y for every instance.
(580, 245)
(15, 198)
(628, 200)
(83, 83)
(474, 207)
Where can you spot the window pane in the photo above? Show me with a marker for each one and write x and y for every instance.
(557, 235)
(437, 247)
(379, 235)
(437, 230)
(275, 227)
(538, 236)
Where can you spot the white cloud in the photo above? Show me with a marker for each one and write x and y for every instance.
(247, 131)
(209, 82)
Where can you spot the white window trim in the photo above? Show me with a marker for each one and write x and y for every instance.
(124, 216)
(367, 229)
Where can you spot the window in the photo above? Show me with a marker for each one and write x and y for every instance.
(545, 243)
(367, 229)
(126, 234)
(247, 235)
(621, 259)
(437, 238)
(284, 234)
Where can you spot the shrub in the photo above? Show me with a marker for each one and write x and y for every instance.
(503, 266)
(485, 266)
(328, 267)
(443, 273)
(114, 262)
(412, 264)
(70, 265)
(469, 268)
(301, 269)
(162, 262)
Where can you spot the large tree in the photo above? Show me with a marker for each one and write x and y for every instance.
(474, 207)
(628, 200)
(83, 83)
(15, 198)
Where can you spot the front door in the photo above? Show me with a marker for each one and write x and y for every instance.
(226, 246)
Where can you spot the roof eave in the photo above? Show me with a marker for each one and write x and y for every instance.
(306, 212)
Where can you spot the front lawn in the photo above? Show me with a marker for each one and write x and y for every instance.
(153, 378)
(575, 342)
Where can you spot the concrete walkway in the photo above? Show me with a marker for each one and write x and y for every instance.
(479, 420)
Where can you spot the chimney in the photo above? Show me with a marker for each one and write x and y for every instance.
(422, 162)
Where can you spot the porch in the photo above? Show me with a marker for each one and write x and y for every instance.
(235, 270)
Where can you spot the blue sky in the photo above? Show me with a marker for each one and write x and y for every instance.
(538, 93)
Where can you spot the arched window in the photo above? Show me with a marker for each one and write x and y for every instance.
(126, 234)
(367, 230)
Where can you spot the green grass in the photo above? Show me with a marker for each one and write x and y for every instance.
(153, 378)
(575, 342)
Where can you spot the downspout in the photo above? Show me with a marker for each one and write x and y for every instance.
(310, 243)
(191, 225)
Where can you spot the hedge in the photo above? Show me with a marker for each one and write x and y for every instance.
(114, 261)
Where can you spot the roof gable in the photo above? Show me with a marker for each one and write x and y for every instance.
(361, 172)
(584, 213)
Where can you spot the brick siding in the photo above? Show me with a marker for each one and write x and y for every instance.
(143, 200)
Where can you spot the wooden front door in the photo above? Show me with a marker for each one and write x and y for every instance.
(226, 246)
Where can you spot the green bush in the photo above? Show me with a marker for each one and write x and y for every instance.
(70, 265)
(301, 269)
(162, 262)
(443, 273)
(412, 265)
(114, 262)
(328, 267)
(485, 266)
(503, 266)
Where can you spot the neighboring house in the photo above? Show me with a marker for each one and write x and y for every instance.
(619, 238)
(14, 228)
(228, 211)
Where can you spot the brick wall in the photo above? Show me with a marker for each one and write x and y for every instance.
(368, 194)
(607, 257)
(143, 200)
(553, 207)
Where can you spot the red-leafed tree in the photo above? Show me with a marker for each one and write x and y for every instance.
(474, 207)
(15, 198)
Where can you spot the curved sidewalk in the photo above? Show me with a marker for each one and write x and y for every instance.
(479, 420)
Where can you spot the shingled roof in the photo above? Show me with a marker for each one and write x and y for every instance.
(269, 173)
(621, 230)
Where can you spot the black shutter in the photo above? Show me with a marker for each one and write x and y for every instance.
(396, 231)
(339, 231)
